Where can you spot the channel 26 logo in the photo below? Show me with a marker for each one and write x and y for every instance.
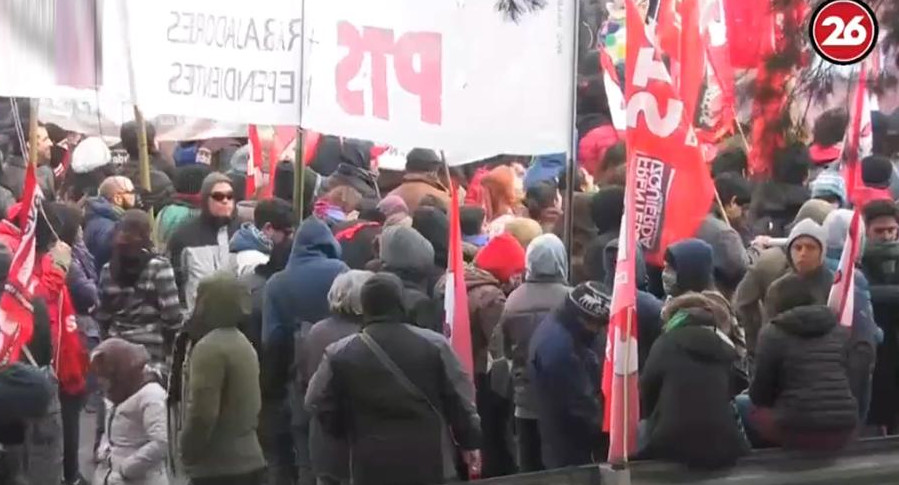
(843, 31)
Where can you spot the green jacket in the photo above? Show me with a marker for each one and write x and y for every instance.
(221, 385)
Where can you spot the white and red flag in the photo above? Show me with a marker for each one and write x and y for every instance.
(857, 145)
(16, 311)
(457, 326)
(254, 164)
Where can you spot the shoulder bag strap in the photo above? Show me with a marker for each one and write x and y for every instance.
(398, 373)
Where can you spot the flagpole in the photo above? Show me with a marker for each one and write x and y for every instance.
(568, 221)
(143, 149)
(299, 172)
(32, 130)
(626, 387)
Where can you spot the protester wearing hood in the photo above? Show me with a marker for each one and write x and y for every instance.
(138, 296)
(688, 387)
(866, 335)
(252, 244)
(771, 264)
(878, 174)
(102, 214)
(688, 267)
(408, 255)
(330, 455)
(830, 186)
(135, 442)
(649, 308)
(187, 202)
(312, 185)
(205, 236)
(386, 403)
(544, 204)
(814, 408)
(880, 263)
(500, 199)
(421, 178)
(544, 288)
(776, 202)
(606, 209)
(358, 237)
(395, 211)
(565, 367)
(218, 443)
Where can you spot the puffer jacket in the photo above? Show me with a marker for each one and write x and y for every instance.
(801, 371)
(881, 264)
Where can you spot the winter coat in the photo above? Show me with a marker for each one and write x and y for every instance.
(565, 372)
(82, 280)
(251, 246)
(13, 177)
(100, 220)
(147, 313)
(357, 243)
(730, 258)
(406, 253)
(801, 371)
(200, 234)
(881, 264)
(416, 186)
(161, 187)
(329, 454)
(299, 293)
(221, 386)
(687, 389)
(135, 442)
(774, 206)
(355, 397)
(748, 299)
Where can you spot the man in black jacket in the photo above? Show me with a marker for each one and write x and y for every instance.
(395, 392)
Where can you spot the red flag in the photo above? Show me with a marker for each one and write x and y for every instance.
(673, 189)
(254, 164)
(457, 326)
(717, 109)
(680, 37)
(269, 191)
(613, 92)
(16, 311)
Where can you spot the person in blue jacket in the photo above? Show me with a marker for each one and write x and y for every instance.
(565, 364)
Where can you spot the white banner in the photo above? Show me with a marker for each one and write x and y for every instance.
(91, 114)
(462, 76)
(223, 60)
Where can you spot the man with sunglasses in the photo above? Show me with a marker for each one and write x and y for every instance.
(205, 237)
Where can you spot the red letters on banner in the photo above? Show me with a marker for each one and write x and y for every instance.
(417, 64)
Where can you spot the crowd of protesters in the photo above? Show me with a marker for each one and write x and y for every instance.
(235, 341)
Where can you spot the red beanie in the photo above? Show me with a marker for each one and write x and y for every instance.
(503, 257)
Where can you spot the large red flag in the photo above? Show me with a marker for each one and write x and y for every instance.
(458, 326)
(717, 109)
(679, 34)
(16, 311)
(673, 189)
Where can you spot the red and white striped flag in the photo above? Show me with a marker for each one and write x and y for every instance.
(613, 91)
(457, 326)
(254, 164)
(857, 145)
(16, 311)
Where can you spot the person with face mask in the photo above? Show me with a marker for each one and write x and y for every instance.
(102, 213)
(135, 442)
(138, 296)
(565, 367)
(205, 236)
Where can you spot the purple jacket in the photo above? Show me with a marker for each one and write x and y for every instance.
(82, 280)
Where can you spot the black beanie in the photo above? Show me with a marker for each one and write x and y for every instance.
(590, 301)
(421, 160)
(382, 299)
(877, 171)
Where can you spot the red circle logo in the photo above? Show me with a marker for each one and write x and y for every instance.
(843, 31)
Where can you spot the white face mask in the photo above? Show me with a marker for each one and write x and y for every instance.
(669, 281)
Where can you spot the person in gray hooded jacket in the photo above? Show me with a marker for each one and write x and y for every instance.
(806, 251)
(544, 289)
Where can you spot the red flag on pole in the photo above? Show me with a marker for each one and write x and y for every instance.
(857, 145)
(254, 164)
(16, 311)
(457, 326)
(680, 37)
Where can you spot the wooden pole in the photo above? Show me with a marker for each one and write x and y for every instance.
(32, 130)
(143, 149)
(299, 173)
